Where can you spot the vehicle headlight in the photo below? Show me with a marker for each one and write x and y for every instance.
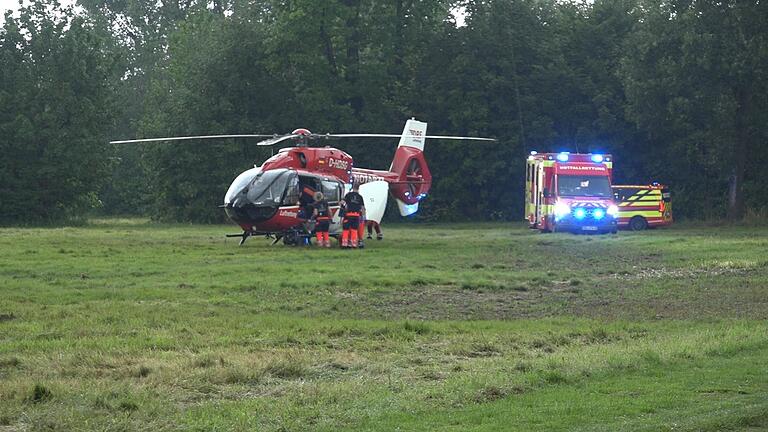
(562, 209)
(613, 211)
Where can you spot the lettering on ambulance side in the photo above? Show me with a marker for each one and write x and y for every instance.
(581, 168)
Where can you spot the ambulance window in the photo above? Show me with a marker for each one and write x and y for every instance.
(595, 186)
(620, 194)
(666, 195)
(628, 193)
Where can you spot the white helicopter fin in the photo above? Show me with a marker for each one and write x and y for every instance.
(375, 197)
(414, 134)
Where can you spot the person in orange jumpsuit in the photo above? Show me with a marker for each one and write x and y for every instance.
(361, 231)
(322, 216)
(354, 211)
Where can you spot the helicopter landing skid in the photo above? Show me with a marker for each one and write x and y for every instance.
(292, 237)
(243, 237)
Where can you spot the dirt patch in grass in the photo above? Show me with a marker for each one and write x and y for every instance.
(701, 270)
(445, 302)
(711, 290)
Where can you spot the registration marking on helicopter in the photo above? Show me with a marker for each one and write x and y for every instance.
(338, 163)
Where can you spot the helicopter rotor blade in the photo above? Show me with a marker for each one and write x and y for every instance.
(359, 136)
(459, 138)
(407, 136)
(274, 140)
(185, 138)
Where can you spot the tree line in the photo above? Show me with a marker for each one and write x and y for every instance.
(676, 90)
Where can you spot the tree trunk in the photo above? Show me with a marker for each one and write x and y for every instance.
(399, 30)
(352, 75)
(742, 137)
(330, 55)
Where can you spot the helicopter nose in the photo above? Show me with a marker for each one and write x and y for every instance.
(249, 213)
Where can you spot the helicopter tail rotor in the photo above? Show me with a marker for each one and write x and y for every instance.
(414, 178)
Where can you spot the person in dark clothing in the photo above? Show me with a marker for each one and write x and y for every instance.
(306, 199)
(354, 211)
(322, 216)
(373, 225)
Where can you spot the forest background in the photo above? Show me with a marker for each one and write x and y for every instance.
(676, 90)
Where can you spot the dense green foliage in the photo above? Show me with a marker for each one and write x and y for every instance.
(125, 325)
(675, 89)
(55, 112)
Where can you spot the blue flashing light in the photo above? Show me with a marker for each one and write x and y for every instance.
(597, 158)
(598, 214)
(579, 213)
(534, 152)
(562, 157)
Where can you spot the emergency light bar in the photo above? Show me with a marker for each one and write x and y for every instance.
(563, 157)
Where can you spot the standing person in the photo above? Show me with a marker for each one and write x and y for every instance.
(305, 212)
(354, 210)
(361, 230)
(322, 216)
(373, 225)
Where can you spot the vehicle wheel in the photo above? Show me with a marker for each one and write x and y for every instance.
(638, 223)
(290, 238)
(548, 228)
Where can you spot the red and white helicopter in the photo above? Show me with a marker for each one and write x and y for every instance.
(265, 200)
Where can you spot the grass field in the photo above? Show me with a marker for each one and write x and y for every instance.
(126, 325)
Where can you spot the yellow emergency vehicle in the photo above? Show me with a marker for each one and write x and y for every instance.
(643, 206)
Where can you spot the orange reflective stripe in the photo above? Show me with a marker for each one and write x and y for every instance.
(353, 214)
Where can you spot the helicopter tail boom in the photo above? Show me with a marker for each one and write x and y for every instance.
(413, 178)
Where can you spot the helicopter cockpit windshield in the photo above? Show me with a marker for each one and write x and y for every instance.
(240, 183)
(273, 187)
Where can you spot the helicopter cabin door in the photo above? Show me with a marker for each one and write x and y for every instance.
(332, 191)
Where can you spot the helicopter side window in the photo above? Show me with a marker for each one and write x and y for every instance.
(331, 191)
(307, 188)
(302, 159)
(292, 192)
